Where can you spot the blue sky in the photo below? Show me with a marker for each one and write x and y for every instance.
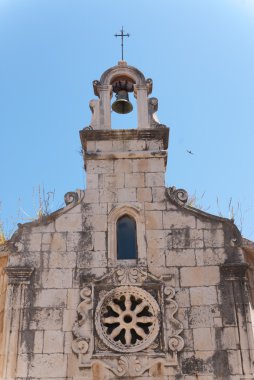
(200, 55)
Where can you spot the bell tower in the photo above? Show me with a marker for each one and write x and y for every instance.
(125, 167)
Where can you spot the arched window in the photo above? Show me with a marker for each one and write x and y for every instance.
(126, 238)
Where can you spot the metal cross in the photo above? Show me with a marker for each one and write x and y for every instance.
(122, 35)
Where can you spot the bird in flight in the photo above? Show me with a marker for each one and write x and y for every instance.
(189, 151)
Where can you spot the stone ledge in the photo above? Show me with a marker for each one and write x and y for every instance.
(123, 155)
(125, 134)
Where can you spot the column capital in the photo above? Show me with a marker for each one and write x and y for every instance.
(232, 271)
(19, 275)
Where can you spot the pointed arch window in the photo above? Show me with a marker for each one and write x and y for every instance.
(126, 238)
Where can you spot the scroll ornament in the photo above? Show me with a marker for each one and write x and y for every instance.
(177, 196)
(82, 328)
(71, 197)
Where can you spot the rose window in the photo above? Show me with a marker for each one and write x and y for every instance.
(127, 319)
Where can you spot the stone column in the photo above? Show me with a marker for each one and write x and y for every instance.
(105, 109)
(18, 280)
(142, 106)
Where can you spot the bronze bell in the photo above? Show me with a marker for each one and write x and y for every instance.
(122, 104)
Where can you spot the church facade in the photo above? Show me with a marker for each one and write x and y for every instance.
(127, 281)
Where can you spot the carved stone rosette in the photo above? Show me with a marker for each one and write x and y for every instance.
(126, 323)
(127, 319)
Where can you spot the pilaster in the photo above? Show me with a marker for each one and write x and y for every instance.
(18, 280)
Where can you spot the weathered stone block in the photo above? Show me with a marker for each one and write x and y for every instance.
(158, 194)
(123, 166)
(206, 295)
(108, 195)
(77, 241)
(99, 241)
(152, 165)
(228, 337)
(204, 339)
(30, 259)
(69, 222)
(214, 238)
(144, 195)
(153, 220)
(57, 278)
(95, 209)
(134, 180)
(172, 219)
(62, 260)
(127, 195)
(200, 276)
(111, 181)
(156, 239)
(134, 145)
(187, 238)
(210, 256)
(46, 238)
(208, 224)
(68, 339)
(73, 298)
(234, 361)
(203, 316)
(26, 344)
(53, 342)
(155, 206)
(156, 257)
(50, 365)
(43, 319)
(22, 365)
(183, 257)
(50, 298)
(38, 342)
(183, 297)
(69, 317)
(92, 181)
(92, 259)
(91, 196)
(99, 166)
(154, 179)
(58, 242)
(34, 242)
(97, 222)
(103, 146)
(118, 145)
(154, 144)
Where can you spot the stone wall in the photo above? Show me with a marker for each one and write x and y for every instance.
(193, 253)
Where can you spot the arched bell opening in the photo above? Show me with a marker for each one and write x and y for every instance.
(123, 104)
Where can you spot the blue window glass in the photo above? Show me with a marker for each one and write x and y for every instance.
(126, 238)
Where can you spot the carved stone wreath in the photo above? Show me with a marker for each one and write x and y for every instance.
(127, 319)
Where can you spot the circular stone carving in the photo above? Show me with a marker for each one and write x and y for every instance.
(127, 319)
